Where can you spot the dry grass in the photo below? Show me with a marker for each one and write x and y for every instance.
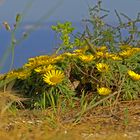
(7, 98)
(121, 122)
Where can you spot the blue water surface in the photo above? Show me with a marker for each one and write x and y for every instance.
(39, 41)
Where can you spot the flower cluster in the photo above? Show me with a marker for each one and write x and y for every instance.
(52, 68)
(80, 66)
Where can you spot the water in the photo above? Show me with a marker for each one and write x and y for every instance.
(39, 42)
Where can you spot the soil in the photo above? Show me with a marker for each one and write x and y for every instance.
(117, 122)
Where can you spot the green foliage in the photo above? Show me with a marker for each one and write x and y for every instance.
(65, 30)
(109, 35)
(100, 67)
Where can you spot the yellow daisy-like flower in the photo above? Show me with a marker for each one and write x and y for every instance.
(58, 58)
(133, 75)
(104, 54)
(23, 74)
(50, 67)
(12, 74)
(86, 58)
(109, 55)
(102, 48)
(53, 77)
(99, 54)
(69, 54)
(19, 74)
(116, 57)
(42, 60)
(104, 91)
(44, 69)
(126, 53)
(102, 67)
(135, 50)
(39, 69)
(37, 61)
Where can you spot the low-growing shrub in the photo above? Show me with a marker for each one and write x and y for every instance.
(99, 63)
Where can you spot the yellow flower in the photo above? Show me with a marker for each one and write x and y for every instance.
(135, 50)
(58, 58)
(102, 48)
(12, 74)
(109, 55)
(51, 67)
(53, 77)
(115, 57)
(68, 54)
(104, 91)
(44, 69)
(19, 74)
(99, 54)
(42, 60)
(39, 69)
(37, 61)
(133, 75)
(102, 67)
(126, 53)
(23, 74)
(87, 58)
(104, 54)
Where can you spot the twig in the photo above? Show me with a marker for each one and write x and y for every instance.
(86, 74)
(78, 115)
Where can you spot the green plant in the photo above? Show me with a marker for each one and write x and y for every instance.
(110, 35)
(98, 62)
(126, 117)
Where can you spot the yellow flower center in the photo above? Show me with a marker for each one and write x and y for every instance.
(104, 91)
(55, 79)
